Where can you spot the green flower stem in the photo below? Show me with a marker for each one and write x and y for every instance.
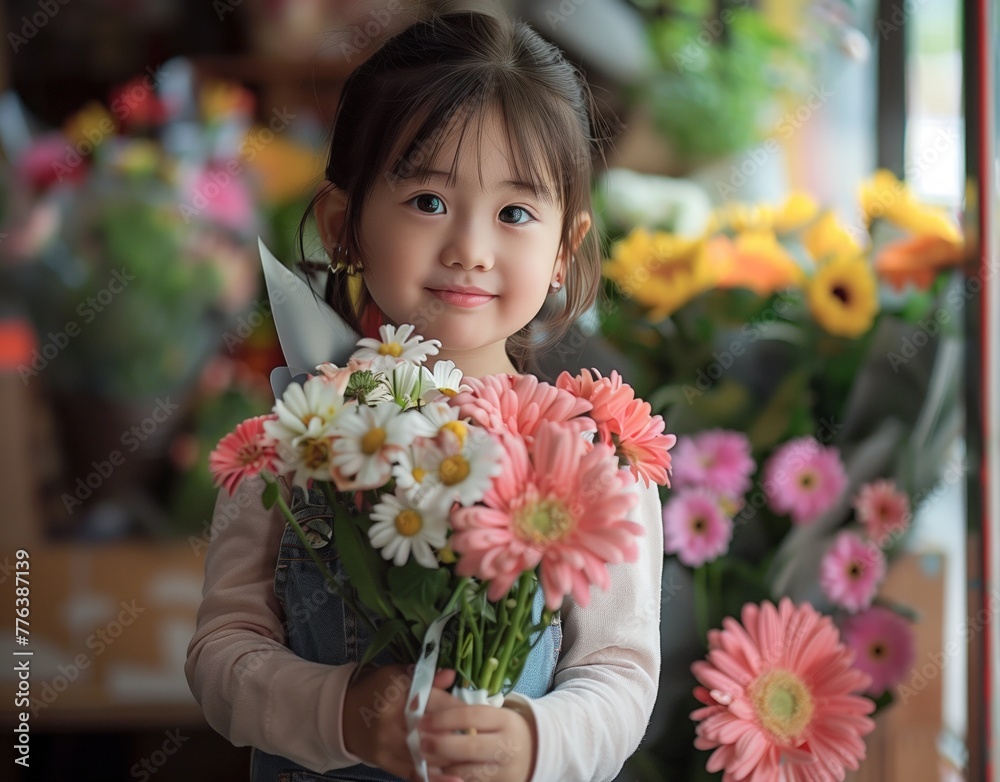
(701, 602)
(513, 630)
(477, 637)
(458, 645)
(337, 587)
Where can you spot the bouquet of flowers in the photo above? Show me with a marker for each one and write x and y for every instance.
(809, 366)
(454, 497)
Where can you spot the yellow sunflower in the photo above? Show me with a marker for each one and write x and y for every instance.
(90, 126)
(797, 212)
(885, 197)
(661, 271)
(827, 239)
(843, 296)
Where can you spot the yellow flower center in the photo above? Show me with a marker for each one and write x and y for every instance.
(316, 453)
(543, 522)
(408, 523)
(446, 556)
(418, 474)
(453, 469)
(372, 440)
(457, 428)
(449, 392)
(393, 349)
(783, 703)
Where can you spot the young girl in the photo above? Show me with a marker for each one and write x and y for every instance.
(458, 195)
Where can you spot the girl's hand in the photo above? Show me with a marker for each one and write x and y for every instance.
(501, 747)
(374, 719)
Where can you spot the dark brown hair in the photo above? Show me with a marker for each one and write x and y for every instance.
(435, 77)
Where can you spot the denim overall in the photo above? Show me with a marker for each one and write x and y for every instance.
(318, 628)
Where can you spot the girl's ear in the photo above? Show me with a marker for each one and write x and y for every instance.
(581, 224)
(331, 210)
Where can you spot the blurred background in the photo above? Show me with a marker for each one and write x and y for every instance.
(145, 144)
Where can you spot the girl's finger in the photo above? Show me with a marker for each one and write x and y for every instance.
(442, 699)
(444, 678)
(457, 716)
(447, 749)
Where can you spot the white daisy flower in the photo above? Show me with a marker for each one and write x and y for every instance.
(444, 418)
(448, 379)
(395, 345)
(304, 430)
(413, 464)
(368, 442)
(401, 529)
(408, 382)
(462, 469)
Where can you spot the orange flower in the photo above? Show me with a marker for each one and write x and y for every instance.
(755, 261)
(917, 260)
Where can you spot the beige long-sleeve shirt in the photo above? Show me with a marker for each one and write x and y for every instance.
(594, 718)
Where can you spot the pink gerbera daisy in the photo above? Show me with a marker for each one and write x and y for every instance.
(779, 695)
(804, 479)
(719, 460)
(851, 571)
(608, 395)
(243, 453)
(556, 504)
(519, 403)
(884, 510)
(695, 527)
(883, 646)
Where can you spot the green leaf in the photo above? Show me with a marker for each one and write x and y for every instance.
(773, 422)
(416, 590)
(386, 634)
(270, 495)
(364, 567)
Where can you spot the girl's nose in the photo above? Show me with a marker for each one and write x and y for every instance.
(468, 246)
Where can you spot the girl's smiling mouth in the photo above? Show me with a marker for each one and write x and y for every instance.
(466, 297)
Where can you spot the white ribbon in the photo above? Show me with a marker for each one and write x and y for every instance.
(420, 688)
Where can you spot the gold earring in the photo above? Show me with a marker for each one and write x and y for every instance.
(341, 262)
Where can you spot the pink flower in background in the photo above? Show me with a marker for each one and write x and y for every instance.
(883, 645)
(695, 527)
(851, 571)
(221, 197)
(243, 453)
(884, 510)
(779, 695)
(518, 404)
(804, 479)
(555, 504)
(719, 460)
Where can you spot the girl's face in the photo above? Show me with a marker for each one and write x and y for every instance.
(499, 237)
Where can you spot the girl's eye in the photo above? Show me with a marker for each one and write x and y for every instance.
(520, 214)
(427, 203)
